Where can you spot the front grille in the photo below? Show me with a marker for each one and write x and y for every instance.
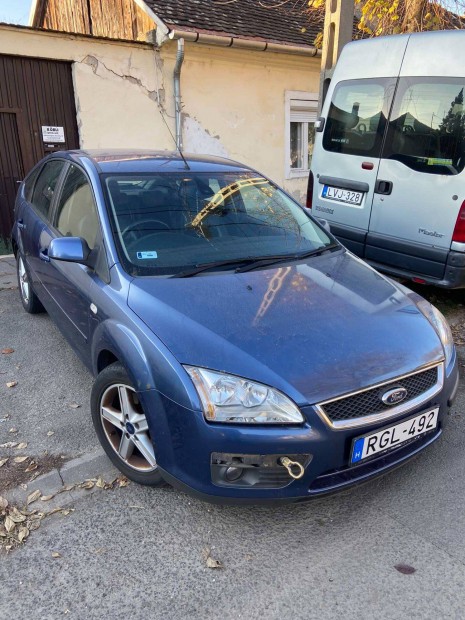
(369, 402)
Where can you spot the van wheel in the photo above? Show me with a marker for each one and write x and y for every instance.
(122, 427)
(29, 299)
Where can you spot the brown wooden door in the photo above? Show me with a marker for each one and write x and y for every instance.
(34, 94)
(11, 171)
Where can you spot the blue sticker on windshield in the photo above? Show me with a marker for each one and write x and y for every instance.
(147, 255)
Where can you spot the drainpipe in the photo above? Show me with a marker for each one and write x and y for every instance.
(177, 91)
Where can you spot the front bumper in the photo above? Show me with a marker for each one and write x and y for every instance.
(185, 443)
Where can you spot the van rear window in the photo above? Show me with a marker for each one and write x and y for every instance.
(357, 117)
(427, 127)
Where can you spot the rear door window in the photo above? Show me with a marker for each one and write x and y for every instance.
(45, 186)
(427, 127)
(356, 120)
(76, 212)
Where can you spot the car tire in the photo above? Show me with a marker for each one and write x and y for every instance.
(122, 427)
(29, 299)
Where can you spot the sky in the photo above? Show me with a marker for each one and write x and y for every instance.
(15, 11)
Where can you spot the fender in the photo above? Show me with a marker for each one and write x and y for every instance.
(149, 363)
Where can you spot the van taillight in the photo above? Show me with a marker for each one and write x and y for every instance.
(459, 230)
(310, 191)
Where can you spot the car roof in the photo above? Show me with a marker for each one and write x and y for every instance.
(145, 161)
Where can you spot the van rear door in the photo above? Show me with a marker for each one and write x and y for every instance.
(347, 153)
(420, 183)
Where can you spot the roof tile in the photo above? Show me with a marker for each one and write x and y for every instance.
(269, 20)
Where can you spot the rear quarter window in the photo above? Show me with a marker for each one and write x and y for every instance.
(356, 121)
(45, 186)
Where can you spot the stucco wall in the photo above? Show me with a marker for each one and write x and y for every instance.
(115, 86)
(233, 100)
(234, 104)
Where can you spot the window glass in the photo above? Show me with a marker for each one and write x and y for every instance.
(176, 221)
(296, 145)
(302, 117)
(45, 187)
(357, 117)
(427, 127)
(29, 183)
(76, 213)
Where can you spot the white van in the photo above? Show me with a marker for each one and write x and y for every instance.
(389, 157)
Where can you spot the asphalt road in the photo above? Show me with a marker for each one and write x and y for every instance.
(138, 553)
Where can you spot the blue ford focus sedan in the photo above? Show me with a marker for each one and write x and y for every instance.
(239, 351)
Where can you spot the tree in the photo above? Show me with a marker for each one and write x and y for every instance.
(379, 17)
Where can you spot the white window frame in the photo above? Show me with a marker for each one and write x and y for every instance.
(300, 106)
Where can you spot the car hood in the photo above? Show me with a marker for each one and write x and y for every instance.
(314, 330)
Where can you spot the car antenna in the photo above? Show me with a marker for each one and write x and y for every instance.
(178, 148)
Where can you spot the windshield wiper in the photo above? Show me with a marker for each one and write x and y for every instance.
(193, 271)
(250, 262)
(279, 258)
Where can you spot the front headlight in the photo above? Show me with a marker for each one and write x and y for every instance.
(441, 326)
(227, 398)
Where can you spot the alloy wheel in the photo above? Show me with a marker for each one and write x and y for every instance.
(126, 427)
(23, 280)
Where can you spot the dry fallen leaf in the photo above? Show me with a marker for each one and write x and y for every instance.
(21, 446)
(31, 467)
(3, 503)
(9, 524)
(7, 351)
(3, 461)
(13, 430)
(74, 405)
(209, 561)
(55, 554)
(50, 433)
(9, 444)
(23, 533)
(20, 459)
(11, 384)
(32, 497)
(46, 498)
(87, 484)
(100, 483)
(17, 516)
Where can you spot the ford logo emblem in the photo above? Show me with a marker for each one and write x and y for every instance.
(394, 396)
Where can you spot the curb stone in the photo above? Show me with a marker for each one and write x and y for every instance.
(90, 465)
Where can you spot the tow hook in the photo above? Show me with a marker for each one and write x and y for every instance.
(294, 468)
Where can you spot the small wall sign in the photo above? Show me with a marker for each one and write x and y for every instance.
(53, 134)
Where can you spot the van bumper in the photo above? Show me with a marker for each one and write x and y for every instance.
(408, 260)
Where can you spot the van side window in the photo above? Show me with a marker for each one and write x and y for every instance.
(357, 117)
(427, 127)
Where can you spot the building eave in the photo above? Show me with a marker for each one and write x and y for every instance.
(225, 40)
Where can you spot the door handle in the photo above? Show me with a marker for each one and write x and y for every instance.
(43, 255)
(383, 187)
(21, 225)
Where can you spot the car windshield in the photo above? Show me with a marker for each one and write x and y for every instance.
(166, 223)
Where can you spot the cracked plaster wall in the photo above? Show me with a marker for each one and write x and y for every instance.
(234, 104)
(116, 87)
(233, 100)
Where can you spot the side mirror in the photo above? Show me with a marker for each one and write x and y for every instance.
(70, 249)
(324, 223)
